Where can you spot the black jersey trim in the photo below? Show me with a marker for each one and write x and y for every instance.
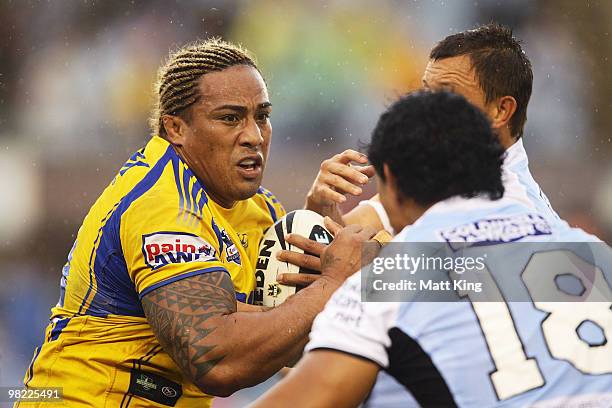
(412, 367)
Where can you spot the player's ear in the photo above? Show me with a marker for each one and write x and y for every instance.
(503, 111)
(176, 129)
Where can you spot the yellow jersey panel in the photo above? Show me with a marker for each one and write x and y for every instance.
(153, 225)
(250, 219)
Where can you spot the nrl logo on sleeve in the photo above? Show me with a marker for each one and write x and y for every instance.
(163, 248)
(496, 230)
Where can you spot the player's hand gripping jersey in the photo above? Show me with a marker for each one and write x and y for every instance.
(469, 353)
(153, 225)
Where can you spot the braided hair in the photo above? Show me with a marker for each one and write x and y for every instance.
(176, 88)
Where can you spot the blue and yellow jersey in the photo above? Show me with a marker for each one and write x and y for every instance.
(153, 225)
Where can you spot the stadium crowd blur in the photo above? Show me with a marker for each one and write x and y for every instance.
(76, 84)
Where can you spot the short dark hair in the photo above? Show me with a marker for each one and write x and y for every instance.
(438, 145)
(500, 64)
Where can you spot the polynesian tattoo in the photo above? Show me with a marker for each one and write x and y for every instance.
(181, 316)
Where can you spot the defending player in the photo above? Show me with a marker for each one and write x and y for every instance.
(488, 67)
(456, 353)
(148, 313)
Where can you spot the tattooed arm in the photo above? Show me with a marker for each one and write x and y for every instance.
(222, 350)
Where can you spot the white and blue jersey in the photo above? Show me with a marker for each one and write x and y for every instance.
(471, 353)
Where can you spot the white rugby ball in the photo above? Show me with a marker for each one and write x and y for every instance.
(302, 222)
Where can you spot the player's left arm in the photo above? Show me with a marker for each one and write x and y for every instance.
(332, 378)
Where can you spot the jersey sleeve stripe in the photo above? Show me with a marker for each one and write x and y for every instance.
(176, 278)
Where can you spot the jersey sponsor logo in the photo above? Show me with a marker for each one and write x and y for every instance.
(163, 248)
(169, 392)
(496, 230)
(154, 387)
(231, 251)
(146, 382)
(345, 306)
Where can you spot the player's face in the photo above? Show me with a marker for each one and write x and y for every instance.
(228, 135)
(455, 74)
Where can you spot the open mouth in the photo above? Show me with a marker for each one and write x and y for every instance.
(250, 166)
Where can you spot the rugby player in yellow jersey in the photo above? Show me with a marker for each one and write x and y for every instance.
(148, 313)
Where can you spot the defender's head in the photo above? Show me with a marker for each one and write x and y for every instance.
(488, 67)
(430, 146)
(212, 105)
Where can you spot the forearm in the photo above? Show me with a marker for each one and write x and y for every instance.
(257, 345)
(325, 372)
(220, 348)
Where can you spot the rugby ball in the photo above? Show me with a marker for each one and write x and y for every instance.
(302, 222)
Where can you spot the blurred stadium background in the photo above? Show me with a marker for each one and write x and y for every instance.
(75, 92)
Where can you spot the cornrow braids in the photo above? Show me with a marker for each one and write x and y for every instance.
(176, 88)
